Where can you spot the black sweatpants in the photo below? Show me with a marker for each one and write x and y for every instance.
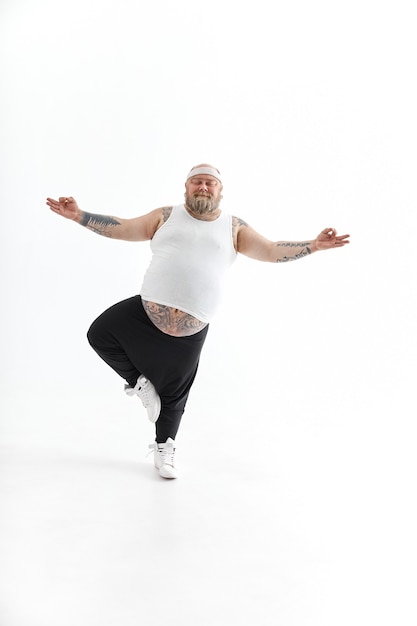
(126, 339)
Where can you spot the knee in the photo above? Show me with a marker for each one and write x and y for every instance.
(92, 335)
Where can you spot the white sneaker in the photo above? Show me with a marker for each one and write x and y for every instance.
(164, 458)
(147, 393)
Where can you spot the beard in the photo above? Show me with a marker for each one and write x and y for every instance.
(202, 204)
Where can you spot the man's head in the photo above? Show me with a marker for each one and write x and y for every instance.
(203, 189)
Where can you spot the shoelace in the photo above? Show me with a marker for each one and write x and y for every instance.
(166, 454)
(140, 389)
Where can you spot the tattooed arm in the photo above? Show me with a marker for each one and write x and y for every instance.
(254, 245)
(140, 228)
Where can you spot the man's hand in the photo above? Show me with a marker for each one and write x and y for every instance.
(328, 239)
(67, 207)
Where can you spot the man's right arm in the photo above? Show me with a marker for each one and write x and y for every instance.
(140, 228)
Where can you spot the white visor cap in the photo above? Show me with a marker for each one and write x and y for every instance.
(210, 171)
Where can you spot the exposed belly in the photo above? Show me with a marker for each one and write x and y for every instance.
(172, 321)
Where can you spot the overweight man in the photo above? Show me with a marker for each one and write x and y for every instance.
(153, 340)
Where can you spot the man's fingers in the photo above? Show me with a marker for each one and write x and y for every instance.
(341, 241)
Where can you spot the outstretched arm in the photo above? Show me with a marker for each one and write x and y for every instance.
(136, 229)
(255, 246)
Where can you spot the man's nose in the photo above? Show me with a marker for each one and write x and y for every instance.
(203, 185)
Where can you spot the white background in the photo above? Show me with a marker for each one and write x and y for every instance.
(296, 503)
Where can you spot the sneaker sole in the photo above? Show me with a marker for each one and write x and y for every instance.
(154, 418)
(167, 472)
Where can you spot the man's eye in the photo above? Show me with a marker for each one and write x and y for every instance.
(209, 183)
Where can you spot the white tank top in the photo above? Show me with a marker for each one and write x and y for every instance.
(189, 260)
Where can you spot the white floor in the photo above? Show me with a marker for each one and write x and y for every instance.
(310, 525)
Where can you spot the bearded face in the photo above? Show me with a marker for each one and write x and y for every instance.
(202, 203)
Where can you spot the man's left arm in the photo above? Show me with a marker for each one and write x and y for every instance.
(256, 246)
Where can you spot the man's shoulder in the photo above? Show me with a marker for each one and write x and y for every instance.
(166, 212)
(238, 222)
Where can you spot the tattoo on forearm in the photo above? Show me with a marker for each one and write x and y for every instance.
(298, 255)
(292, 244)
(100, 224)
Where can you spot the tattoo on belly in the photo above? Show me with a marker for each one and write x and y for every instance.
(172, 321)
